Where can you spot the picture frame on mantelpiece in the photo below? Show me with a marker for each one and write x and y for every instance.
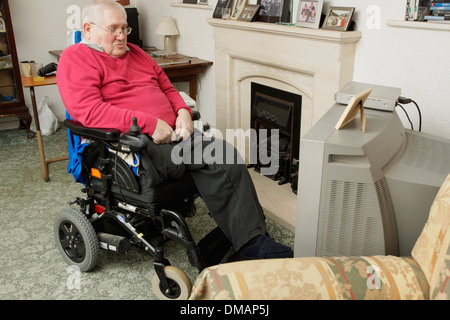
(190, 1)
(338, 18)
(221, 4)
(309, 14)
(273, 11)
(238, 7)
(249, 12)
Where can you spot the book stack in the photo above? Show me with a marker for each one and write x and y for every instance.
(439, 12)
(416, 10)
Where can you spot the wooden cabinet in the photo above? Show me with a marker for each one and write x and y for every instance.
(12, 103)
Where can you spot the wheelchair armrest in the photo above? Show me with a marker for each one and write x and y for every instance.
(91, 133)
(106, 134)
(133, 143)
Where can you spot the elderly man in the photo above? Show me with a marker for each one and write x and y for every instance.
(104, 82)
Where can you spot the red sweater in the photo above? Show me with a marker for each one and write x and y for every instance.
(100, 91)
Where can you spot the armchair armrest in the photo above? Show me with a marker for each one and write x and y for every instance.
(316, 278)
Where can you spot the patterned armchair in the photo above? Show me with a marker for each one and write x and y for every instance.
(424, 276)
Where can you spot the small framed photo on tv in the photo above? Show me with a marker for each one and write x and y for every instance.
(355, 106)
(338, 18)
(309, 14)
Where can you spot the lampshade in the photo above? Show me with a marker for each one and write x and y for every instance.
(167, 27)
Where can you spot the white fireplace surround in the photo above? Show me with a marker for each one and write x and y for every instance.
(313, 63)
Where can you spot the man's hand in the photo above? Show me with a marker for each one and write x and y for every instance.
(183, 129)
(183, 125)
(163, 133)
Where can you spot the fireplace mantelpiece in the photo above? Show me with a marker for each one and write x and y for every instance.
(314, 63)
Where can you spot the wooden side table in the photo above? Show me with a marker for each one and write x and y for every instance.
(183, 72)
(28, 82)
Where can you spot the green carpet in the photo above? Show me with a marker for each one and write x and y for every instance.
(32, 267)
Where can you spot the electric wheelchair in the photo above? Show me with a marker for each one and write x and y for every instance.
(118, 212)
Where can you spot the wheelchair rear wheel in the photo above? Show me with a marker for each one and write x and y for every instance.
(76, 239)
(180, 285)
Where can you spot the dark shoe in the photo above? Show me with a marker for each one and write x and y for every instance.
(264, 247)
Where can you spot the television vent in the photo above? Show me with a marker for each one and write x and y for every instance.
(357, 219)
(426, 154)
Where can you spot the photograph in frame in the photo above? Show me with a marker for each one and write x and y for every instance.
(338, 18)
(221, 4)
(309, 14)
(355, 106)
(249, 12)
(237, 8)
(273, 11)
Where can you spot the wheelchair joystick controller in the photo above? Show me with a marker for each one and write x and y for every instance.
(135, 129)
(134, 140)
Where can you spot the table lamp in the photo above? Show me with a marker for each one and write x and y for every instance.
(168, 29)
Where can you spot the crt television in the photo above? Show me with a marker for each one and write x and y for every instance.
(366, 193)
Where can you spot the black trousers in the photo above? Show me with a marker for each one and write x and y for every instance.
(222, 180)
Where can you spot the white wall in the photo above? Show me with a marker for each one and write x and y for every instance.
(195, 39)
(412, 59)
(40, 26)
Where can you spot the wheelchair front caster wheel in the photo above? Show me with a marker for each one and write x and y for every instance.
(76, 239)
(180, 285)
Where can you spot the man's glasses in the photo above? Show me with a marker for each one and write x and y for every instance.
(115, 32)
